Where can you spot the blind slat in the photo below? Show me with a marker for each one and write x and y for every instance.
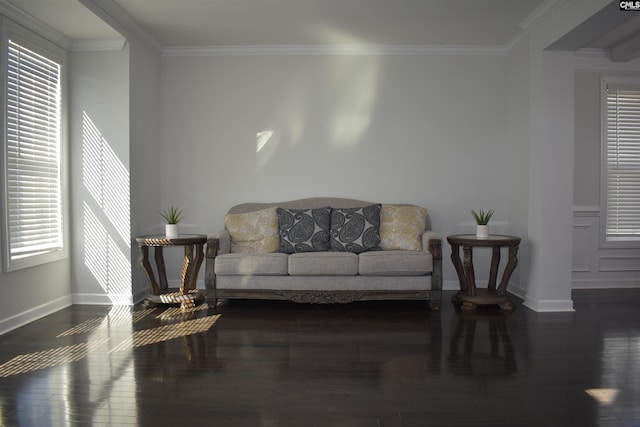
(33, 153)
(623, 160)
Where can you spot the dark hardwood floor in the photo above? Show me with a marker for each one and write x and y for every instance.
(261, 363)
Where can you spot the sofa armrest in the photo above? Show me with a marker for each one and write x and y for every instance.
(217, 243)
(433, 242)
(224, 241)
(428, 236)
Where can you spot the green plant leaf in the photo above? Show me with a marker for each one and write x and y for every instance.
(172, 215)
(482, 217)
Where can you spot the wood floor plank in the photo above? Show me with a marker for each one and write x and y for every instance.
(266, 363)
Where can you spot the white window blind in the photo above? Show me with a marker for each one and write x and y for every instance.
(33, 154)
(623, 160)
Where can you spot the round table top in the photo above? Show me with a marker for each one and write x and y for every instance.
(491, 241)
(162, 240)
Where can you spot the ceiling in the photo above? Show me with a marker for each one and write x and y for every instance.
(218, 23)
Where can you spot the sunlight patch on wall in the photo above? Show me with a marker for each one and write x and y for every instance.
(262, 138)
(106, 214)
(356, 79)
(342, 101)
(106, 178)
(355, 76)
(106, 262)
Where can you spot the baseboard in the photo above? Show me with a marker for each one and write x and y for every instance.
(517, 291)
(604, 284)
(529, 302)
(33, 314)
(102, 299)
(543, 306)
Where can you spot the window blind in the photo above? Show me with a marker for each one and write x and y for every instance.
(623, 160)
(33, 153)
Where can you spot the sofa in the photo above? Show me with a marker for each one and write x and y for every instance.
(325, 250)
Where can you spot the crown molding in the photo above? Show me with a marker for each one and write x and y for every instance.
(519, 38)
(541, 13)
(121, 21)
(33, 24)
(334, 50)
(98, 45)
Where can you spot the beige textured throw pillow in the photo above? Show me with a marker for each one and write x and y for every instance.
(253, 232)
(401, 227)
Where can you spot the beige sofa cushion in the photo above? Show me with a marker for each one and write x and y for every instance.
(323, 264)
(253, 232)
(395, 263)
(401, 227)
(251, 264)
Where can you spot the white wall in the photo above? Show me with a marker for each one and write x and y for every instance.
(115, 178)
(586, 188)
(33, 293)
(429, 130)
(100, 177)
(144, 152)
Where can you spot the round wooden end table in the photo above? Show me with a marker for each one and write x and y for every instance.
(468, 294)
(159, 292)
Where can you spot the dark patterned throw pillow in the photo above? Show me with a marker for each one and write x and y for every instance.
(355, 229)
(304, 230)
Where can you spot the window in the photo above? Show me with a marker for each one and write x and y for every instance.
(621, 155)
(33, 150)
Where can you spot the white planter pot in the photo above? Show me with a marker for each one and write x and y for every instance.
(482, 231)
(171, 230)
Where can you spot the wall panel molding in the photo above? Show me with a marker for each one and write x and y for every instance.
(597, 267)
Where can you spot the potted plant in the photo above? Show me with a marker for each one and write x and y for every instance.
(482, 222)
(173, 216)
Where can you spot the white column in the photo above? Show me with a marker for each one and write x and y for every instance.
(550, 181)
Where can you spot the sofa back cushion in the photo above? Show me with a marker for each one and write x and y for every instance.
(355, 229)
(304, 230)
(253, 232)
(401, 227)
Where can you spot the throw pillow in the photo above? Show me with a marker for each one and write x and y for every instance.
(253, 232)
(304, 230)
(355, 229)
(401, 227)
